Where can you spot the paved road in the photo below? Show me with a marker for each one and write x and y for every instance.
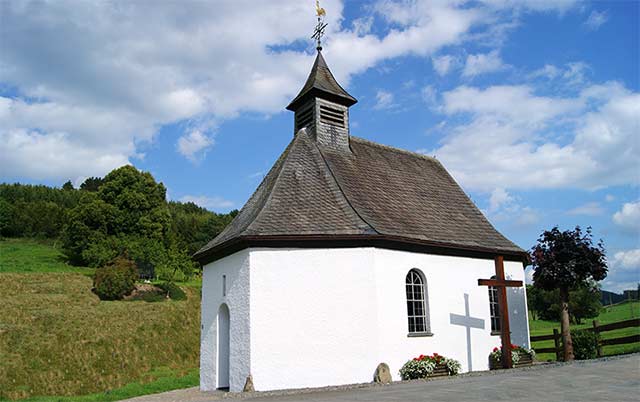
(615, 379)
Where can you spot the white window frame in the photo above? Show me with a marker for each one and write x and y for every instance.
(417, 296)
(494, 309)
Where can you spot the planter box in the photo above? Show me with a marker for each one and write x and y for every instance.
(439, 371)
(525, 360)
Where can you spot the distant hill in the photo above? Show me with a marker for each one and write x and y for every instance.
(609, 298)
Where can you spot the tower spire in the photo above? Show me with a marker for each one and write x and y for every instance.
(318, 32)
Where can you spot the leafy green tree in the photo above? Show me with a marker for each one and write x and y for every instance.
(91, 184)
(564, 260)
(6, 218)
(127, 214)
(68, 186)
(584, 302)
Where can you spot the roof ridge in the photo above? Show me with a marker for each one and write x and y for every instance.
(396, 149)
(344, 195)
(284, 158)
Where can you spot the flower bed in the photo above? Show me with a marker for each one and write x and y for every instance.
(520, 357)
(429, 367)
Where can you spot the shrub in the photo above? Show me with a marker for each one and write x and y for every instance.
(115, 280)
(173, 291)
(585, 344)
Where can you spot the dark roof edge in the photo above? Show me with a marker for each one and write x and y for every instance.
(350, 241)
(319, 93)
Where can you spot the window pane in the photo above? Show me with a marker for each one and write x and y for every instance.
(418, 308)
(419, 324)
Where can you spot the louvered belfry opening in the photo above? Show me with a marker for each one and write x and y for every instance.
(332, 116)
(304, 117)
(322, 108)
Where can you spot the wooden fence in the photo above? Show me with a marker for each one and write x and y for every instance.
(557, 337)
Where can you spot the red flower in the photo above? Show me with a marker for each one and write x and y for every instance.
(495, 349)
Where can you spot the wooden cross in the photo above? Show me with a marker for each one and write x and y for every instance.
(502, 284)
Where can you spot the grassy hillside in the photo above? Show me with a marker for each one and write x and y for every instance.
(27, 256)
(609, 314)
(58, 338)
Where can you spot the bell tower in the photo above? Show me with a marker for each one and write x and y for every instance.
(322, 106)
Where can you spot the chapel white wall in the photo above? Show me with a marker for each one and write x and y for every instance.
(313, 317)
(236, 269)
(329, 316)
(448, 279)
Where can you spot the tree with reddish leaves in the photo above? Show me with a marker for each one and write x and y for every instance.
(565, 260)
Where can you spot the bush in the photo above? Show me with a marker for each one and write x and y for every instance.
(173, 291)
(584, 344)
(115, 280)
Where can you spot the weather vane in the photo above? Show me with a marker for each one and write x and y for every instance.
(318, 33)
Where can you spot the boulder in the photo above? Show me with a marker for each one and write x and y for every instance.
(248, 385)
(382, 374)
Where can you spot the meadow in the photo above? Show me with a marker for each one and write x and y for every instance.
(59, 342)
(609, 314)
(57, 337)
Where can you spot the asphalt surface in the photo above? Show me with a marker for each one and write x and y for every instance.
(608, 379)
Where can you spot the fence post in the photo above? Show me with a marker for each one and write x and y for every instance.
(597, 332)
(556, 341)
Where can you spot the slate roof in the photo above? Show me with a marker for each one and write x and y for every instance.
(322, 83)
(374, 193)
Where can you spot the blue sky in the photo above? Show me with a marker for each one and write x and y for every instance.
(532, 105)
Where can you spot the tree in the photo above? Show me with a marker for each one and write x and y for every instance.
(68, 186)
(566, 260)
(91, 184)
(584, 302)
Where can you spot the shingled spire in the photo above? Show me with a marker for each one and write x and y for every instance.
(322, 107)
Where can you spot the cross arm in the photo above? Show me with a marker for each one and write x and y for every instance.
(499, 283)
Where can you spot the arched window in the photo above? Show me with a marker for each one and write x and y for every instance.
(417, 303)
(494, 308)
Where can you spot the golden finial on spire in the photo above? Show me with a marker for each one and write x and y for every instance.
(319, 10)
(318, 33)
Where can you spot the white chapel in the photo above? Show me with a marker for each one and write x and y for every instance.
(349, 254)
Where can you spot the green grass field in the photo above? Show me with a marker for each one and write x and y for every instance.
(28, 256)
(57, 337)
(609, 314)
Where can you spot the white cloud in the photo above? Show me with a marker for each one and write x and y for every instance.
(212, 203)
(590, 209)
(477, 64)
(504, 207)
(443, 64)
(194, 144)
(498, 198)
(384, 100)
(624, 271)
(430, 96)
(512, 138)
(115, 73)
(609, 198)
(549, 71)
(628, 218)
(628, 260)
(596, 20)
